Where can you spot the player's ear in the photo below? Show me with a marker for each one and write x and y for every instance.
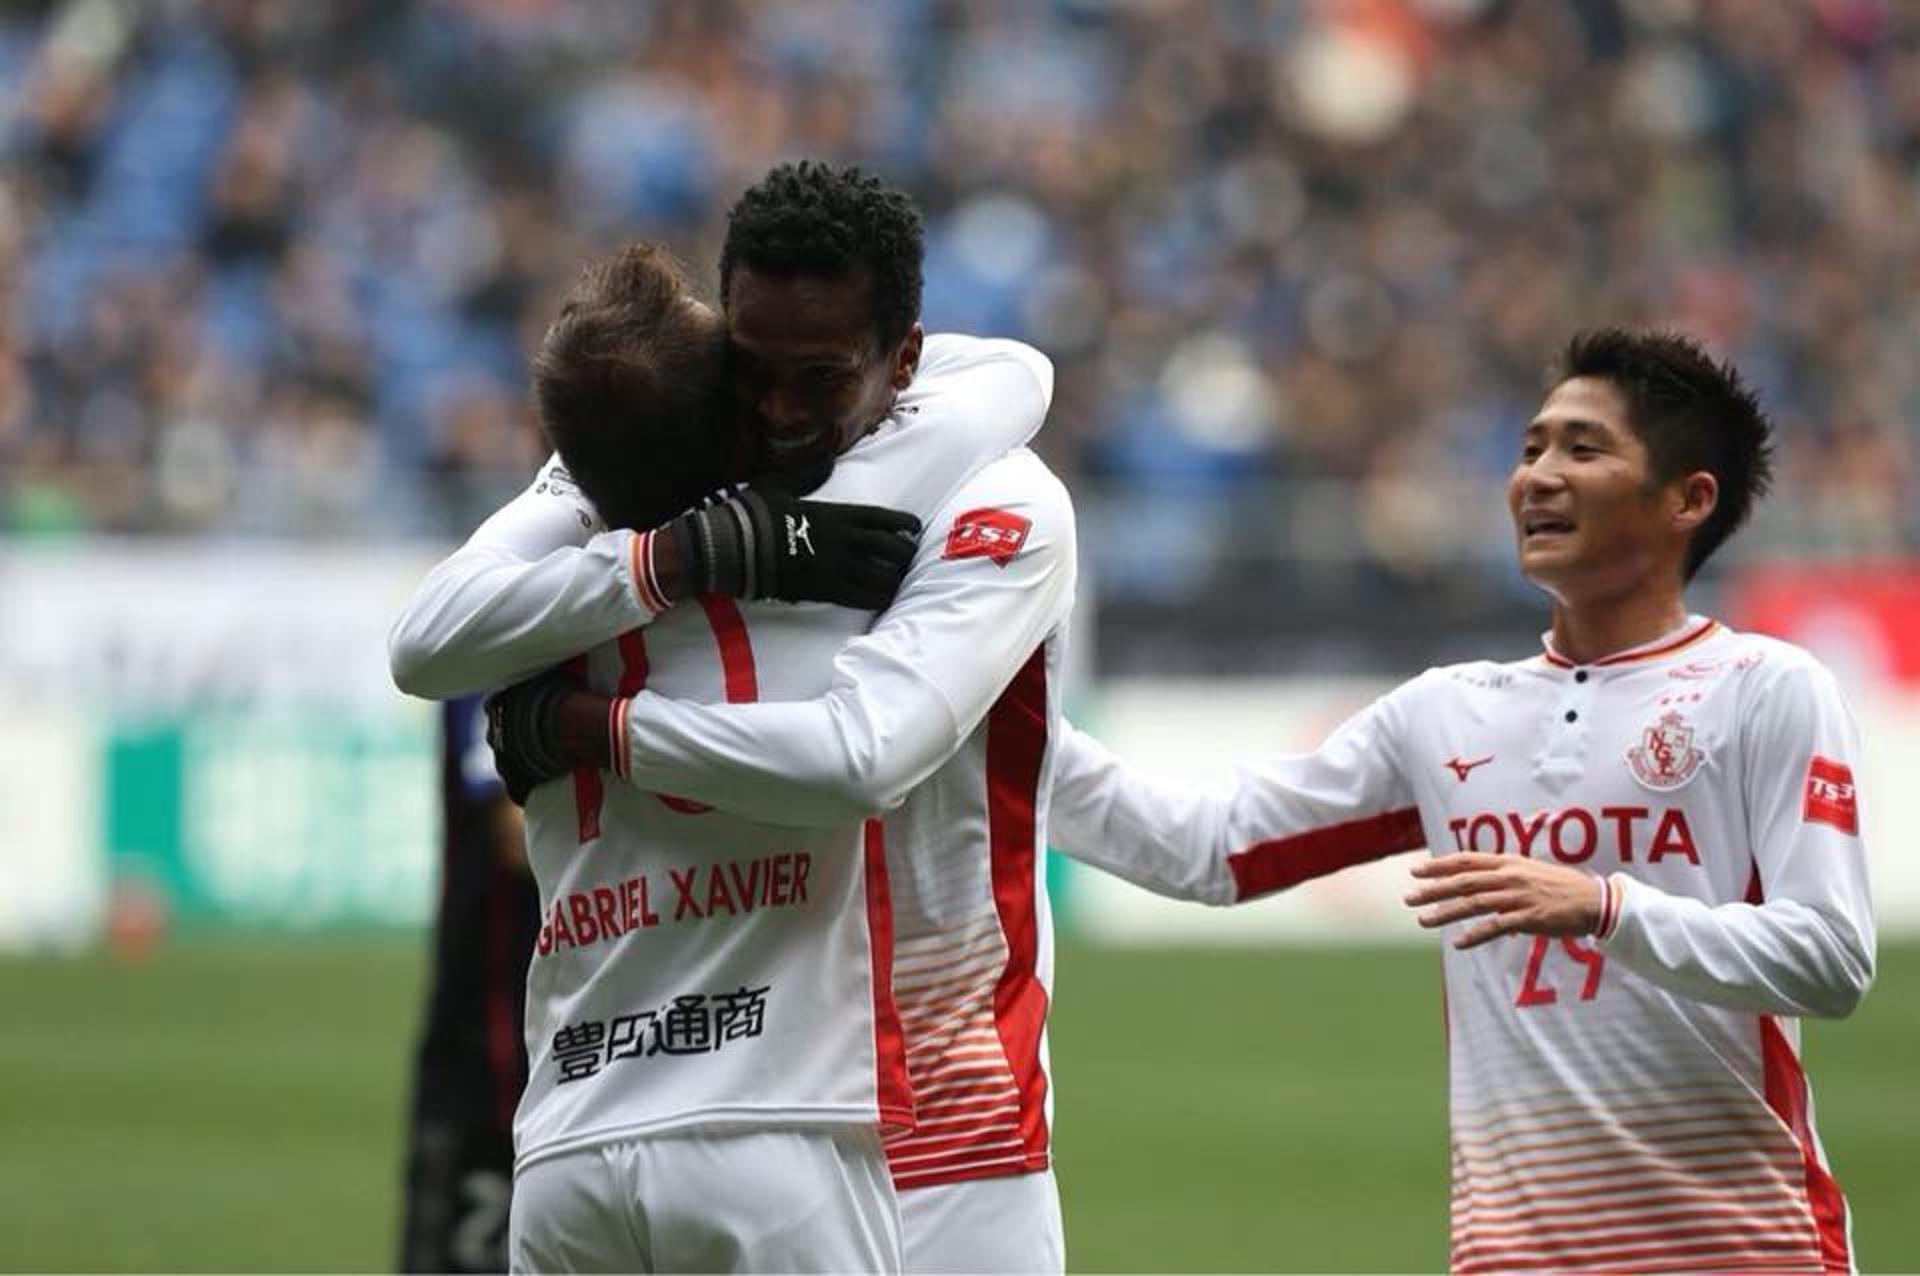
(1695, 497)
(906, 359)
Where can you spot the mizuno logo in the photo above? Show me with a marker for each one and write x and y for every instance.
(1460, 768)
(797, 535)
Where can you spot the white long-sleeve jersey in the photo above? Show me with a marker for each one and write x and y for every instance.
(945, 716)
(1629, 1102)
(697, 966)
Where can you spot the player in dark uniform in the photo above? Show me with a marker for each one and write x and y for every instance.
(471, 1062)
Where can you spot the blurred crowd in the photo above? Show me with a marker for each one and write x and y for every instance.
(276, 266)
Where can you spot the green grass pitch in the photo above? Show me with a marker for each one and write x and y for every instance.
(235, 1105)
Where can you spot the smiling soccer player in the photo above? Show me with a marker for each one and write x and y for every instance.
(1646, 853)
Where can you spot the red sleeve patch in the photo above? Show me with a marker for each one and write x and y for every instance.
(1830, 798)
(988, 533)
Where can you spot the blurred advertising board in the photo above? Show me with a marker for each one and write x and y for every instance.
(1863, 618)
(205, 734)
(1202, 729)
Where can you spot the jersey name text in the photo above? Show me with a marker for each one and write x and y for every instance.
(694, 893)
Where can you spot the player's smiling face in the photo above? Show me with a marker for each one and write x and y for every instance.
(804, 358)
(1588, 517)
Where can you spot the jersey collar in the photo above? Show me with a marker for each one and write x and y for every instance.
(1693, 630)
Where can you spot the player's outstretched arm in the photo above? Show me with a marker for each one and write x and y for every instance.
(1280, 822)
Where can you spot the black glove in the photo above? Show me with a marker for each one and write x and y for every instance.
(763, 541)
(520, 731)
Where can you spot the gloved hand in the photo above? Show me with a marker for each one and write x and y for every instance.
(760, 540)
(522, 731)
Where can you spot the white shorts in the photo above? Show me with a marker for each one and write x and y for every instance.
(1007, 1224)
(793, 1199)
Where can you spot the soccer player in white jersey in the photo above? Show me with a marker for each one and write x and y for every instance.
(1646, 851)
(531, 580)
(944, 716)
(713, 1041)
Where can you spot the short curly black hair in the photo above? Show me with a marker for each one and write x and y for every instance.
(1692, 412)
(812, 218)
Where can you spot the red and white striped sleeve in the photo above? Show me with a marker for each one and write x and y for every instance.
(539, 581)
(1802, 942)
(1283, 820)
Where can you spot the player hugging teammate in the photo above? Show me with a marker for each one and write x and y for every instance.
(712, 1092)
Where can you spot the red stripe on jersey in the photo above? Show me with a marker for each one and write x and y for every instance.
(1570, 1222)
(1732, 1252)
(1687, 1100)
(1721, 1162)
(1665, 649)
(927, 1005)
(1759, 1188)
(943, 1079)
(1722, 1236)
(1727, 1181)
(951, 1095)
(1773, 1263)
(617, 736)
(640, 563)
(633, 662)
(1610, 896)
(965, 1167)
(959, 969)
(587, 791)
(1016, 746)
(982, 1043)
(1628, 657)
(966, 1115)
(736, 648)
(895, 1091)
(989, 1135)
(1509, 1162)
(1786, 1087)
(1287, 861)
(736, 666)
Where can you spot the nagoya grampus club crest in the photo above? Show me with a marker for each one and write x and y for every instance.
(1665, 757)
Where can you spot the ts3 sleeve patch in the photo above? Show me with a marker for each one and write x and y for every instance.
(1830, 798)
(988, 533)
